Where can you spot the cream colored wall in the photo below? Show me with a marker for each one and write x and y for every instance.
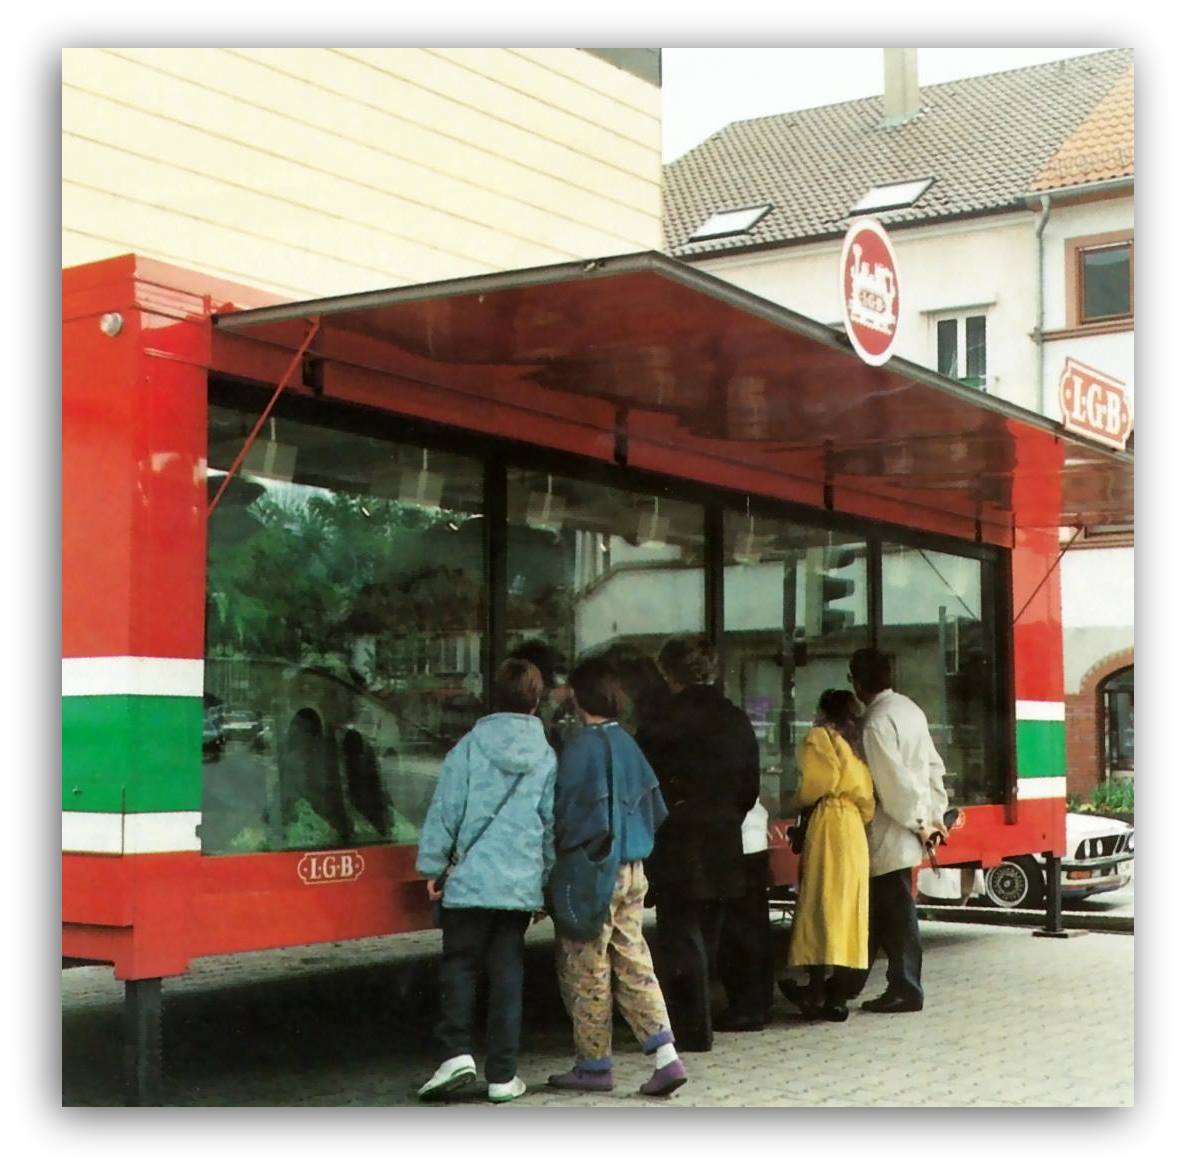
(312, 171)
(988, 263)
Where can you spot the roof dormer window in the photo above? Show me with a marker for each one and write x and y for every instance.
(733, 222)
(890, 196)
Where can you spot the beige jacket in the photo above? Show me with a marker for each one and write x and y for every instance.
(908, 776)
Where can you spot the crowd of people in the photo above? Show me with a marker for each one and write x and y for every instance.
(667, 813)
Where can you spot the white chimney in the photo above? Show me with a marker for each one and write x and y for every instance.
(900, 89)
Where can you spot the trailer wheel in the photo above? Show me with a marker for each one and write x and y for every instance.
(1017, 883)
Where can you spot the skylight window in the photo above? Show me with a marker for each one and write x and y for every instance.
(735, 222)
(892, 195)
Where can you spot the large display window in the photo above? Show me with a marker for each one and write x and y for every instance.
(364, 573)
(344, 624)
(938, 628)
(796, 605)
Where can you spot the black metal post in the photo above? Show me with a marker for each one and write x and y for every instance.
(1054, 926)
(142, 1042)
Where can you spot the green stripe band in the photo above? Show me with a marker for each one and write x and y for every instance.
(1042, 749)
(133, 753)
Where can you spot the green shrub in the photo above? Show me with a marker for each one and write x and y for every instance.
(1113, 795)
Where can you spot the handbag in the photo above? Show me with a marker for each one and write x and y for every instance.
(453, 859)
(581, 883)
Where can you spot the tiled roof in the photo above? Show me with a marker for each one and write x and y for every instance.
(983, 139)
(1101, 148)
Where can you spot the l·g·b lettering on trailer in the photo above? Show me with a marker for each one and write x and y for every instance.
(299, 537)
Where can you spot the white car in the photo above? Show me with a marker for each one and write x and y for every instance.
(1098, 859)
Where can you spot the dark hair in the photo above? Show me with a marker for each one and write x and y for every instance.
(689, 661)
(870, 670)
(517, 687)
(597, 687)
(839, 710)
(644, 686)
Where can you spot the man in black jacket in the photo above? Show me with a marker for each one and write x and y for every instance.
(707, 759)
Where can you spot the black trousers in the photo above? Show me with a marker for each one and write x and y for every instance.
(894, 929)
(745, 962)
(686, 959)
(492, 942)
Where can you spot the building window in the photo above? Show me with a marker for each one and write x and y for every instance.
(1116, 694)
(960, 349)
(1100, 279)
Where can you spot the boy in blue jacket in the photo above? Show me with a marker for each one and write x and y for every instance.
(492, 820)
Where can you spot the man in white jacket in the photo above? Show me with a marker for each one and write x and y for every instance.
(908, 776)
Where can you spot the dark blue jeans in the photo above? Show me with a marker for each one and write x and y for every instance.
(894, 929)
(475, 942)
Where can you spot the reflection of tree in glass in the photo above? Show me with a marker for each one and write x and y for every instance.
(314, 572)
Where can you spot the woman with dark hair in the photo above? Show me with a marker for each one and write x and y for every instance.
(831, 923)
(601, 767)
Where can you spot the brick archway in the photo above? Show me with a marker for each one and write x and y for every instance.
(1084, 713)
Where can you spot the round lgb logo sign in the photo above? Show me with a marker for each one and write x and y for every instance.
(870, 291)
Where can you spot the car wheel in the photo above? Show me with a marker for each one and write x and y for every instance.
(1016, 884)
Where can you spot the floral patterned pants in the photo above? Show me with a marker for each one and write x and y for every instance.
(585, 971)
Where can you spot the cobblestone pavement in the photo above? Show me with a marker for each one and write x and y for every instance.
(1011, 1020)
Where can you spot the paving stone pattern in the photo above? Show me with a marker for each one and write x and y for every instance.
(1011, 1020)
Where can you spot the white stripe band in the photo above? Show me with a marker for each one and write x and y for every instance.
(162, 677)
(140, 832)
(1041, 712)
(1046, 788)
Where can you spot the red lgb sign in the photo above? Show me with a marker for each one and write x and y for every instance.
(870, 291)
(1094, 404)
(318, 868)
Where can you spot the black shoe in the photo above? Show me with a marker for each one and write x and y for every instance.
(792, 991)
(833, 1013)
(892, 1004)
(728, 1022)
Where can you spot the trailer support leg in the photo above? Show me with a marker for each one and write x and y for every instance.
(1054, 926)
(141, 1042)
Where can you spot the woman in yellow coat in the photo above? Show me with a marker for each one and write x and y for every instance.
(830, 926)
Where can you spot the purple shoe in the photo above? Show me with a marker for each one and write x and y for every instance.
(582, 1080)
(665, 1081)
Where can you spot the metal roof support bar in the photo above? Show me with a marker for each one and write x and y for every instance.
(313, 329)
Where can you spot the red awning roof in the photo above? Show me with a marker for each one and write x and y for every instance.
(706, 369)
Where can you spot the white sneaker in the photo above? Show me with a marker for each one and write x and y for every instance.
(449, 1075)
(503, 1093)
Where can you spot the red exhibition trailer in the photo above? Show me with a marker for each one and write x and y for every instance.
(298, 537)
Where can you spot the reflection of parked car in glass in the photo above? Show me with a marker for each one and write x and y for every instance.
(241, 724)
(213, 738)
(1099, 859)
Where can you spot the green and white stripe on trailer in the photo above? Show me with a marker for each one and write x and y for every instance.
(131, 754)
(1042, 750)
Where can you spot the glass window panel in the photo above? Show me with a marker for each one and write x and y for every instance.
(937, 632)
(592, 568)
(946, 355)
(1118, 702)
(796, 606)
(344, 613)
(1107, 283)
(974, 363)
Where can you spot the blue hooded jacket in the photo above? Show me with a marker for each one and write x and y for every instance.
(509, 865)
